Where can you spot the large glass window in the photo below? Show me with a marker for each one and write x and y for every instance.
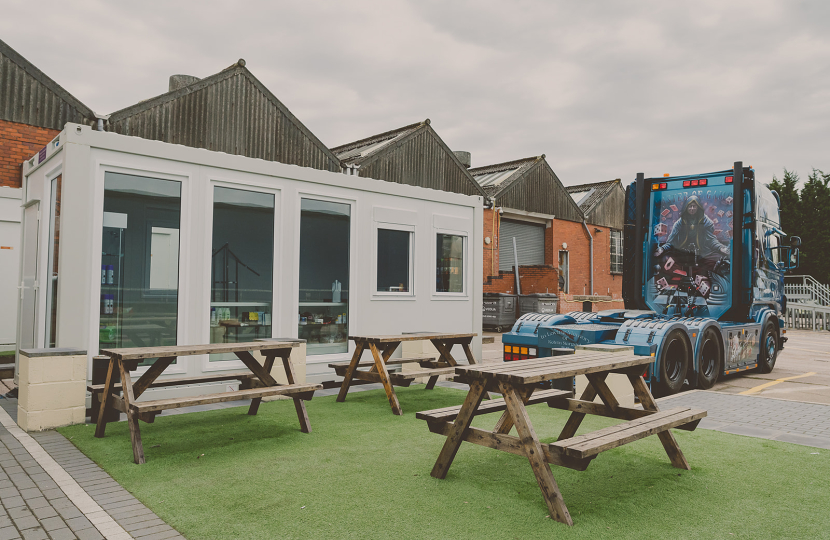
(242, 267)
(324, 276)
(139, 261)
(52, 284)
(394, 261)
(616, 252)
(450, 264)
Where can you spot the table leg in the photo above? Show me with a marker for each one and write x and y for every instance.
(386, 352)
(132, 418)
(444, 349)
(299, 404)
(431, 382)
(106, 399)
(505, 422)
(145, 381)
(670, 445)
(384, 378)
(576, 418)
(254, 407)
(535, 454)
(347, 378)
(458, 430)
(598, 382)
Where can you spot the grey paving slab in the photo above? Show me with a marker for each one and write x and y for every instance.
(755, 416)
(39, 506)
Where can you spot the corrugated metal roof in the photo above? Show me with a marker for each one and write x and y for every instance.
(530, 185)
(231, 112)
(353, 152)
(413, 155)
(587, 196)
(28, 96)
(498, 177)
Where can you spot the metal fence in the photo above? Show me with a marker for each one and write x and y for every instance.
(807, 317)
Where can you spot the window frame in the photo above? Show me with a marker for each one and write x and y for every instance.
(464, 294)
(392, 295)
(619, 255)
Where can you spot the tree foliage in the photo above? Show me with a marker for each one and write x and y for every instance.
(807, 214)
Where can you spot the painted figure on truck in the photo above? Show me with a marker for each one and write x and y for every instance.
(690, 264)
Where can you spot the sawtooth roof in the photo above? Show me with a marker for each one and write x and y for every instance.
(588, 196)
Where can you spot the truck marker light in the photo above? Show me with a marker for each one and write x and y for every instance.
(728, 180)
(507, 348)
(703, 181)
(695, 183)
(686, 183)
(663, 186)
(655, 187)
(524, 350)
(665, 175)
(515, 350)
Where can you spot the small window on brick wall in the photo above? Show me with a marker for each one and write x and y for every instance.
(616, 252)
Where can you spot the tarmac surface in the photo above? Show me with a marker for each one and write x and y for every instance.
(49, 489)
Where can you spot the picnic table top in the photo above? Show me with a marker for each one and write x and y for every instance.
(419, 336)
(554, 367)
(138, 353)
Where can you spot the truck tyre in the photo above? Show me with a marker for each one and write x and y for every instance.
(710, 363)
(675, 356)
(769, 348)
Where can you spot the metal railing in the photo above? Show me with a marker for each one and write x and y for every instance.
(807, 317)
(806, 289)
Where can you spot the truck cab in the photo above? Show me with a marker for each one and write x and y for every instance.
(703, 282)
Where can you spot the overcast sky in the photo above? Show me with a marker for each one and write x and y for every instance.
(604, 89)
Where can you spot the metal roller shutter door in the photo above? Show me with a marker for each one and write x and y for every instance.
(530, 243)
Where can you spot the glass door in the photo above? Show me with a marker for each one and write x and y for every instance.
(242, 267)
(324, 276)
(139, 262)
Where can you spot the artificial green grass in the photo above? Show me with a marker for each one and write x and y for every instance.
(364, 473)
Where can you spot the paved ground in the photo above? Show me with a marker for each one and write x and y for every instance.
(48, 489)
(802, 372)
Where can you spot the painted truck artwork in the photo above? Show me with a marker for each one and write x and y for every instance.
(690, 271)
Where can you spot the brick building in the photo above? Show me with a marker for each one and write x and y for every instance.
(602, 204)
(529, 203)
(33, 109)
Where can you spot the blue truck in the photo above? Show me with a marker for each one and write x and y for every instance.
(703, 283)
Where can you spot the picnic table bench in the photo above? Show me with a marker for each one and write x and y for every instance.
(518, 382)
(257, 383)
(383, 346)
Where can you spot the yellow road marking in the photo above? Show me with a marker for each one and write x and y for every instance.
(760, 387)
(808, 350)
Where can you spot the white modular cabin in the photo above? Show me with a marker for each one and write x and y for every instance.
(130, 242)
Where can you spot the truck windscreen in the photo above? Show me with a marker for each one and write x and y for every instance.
(690, 247)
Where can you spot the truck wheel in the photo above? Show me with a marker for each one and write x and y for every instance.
(769, 349)
(710, 364)
(674, 361)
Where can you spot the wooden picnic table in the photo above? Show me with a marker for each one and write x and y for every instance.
(519, 383)
(382, 347)
(126, 360)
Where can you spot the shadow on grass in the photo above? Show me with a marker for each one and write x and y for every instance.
(364, 473)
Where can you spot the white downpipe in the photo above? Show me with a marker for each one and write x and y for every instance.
(584, 224)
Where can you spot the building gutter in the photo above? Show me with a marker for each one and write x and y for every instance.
(584, 224)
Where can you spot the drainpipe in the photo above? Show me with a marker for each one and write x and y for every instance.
(584, 224)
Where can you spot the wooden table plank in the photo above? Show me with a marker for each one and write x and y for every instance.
(553, 370)
(139, 353)
(411, 337)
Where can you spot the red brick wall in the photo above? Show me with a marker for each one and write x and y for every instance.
(533, 279)
(606, 284)
(19, 142)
